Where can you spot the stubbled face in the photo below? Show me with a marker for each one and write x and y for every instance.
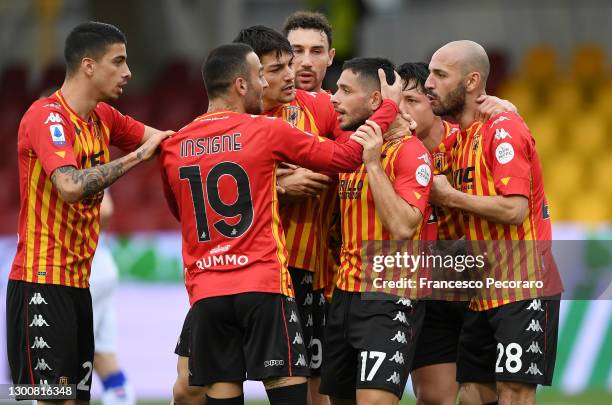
(253, 100)
(352, 101)
(278, 72)
(111, 72)
(312, 57)
(445, 84)
(416, 103)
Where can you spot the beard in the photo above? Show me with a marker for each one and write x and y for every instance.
(254, 105)
(355, 120)
(453, 104)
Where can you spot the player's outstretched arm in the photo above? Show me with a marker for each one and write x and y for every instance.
(76, 184)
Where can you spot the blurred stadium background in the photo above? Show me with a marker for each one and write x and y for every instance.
(551, 58)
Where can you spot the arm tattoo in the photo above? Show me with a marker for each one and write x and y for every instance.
(94, 179)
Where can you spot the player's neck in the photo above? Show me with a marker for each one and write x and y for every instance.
(269, 104)
(434, 135)
(79, 97)
(219, 104)
(468, 115)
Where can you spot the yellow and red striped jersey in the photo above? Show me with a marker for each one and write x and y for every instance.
(448, 220)
(57, 240)
(499, 158)
(407, 164)
(306, 224)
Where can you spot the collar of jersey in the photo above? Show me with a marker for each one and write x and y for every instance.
(211, 114)
(473, 128)
(64, 104)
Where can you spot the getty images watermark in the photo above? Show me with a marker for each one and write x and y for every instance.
(458, 270)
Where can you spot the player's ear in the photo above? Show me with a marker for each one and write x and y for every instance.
(241, 85)
(472, 81)
(376, 100)
(87, 65)
(332, 55)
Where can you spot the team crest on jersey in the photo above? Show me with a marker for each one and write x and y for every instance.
(439, 159)
(475, 142)
(293, 114)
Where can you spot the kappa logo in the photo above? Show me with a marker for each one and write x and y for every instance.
(42, 365)
(39, 343)
(533, 369)
(401, 316)
(498, 120)
(298, 340)
(321, 300)
(293, 318)
(301, 361)
(37, 299)
(398, 358)
(399, 337)
(535, 326)
(273, 363)
(309, 320)
(536, 305)
(404, 301)
(307, 279)
(53, 118)
(534, 348)
(395, 378)
(308, 300)
(38, 320)
(501, 133)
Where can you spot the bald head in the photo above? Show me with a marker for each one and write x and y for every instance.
(469, 56)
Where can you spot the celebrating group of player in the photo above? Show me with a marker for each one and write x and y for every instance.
(264, 184)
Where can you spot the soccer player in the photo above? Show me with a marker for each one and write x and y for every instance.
(508, 342)
(434, 367)
(369, 344)
(310, 36)
(219, 176)
(103, 285)
(64, 166)
(307, 220)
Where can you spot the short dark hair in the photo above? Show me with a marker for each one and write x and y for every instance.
(415, 72)
(90, 39)
(264, 40)
(308, 20)
(223, 65)
(367, 68)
